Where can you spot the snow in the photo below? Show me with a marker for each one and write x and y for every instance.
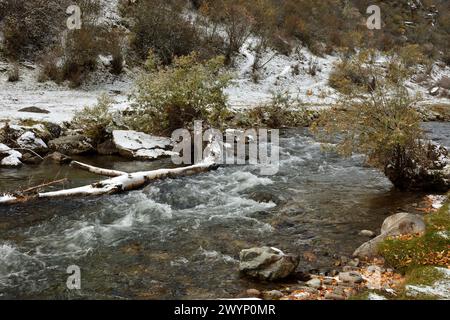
(440, 289)
(60, 100)
(437, 201)
(30, 141)
(12, 158)
(140, 145)
(278, 76)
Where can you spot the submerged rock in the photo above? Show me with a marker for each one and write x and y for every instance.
(267, 263)
(397, 224)
(138, 145)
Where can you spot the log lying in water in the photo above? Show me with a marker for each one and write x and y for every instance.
(119, 181)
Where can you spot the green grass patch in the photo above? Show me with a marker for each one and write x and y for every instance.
(430, 249)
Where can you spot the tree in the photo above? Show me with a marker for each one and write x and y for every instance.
(378, 119)
(167, 98)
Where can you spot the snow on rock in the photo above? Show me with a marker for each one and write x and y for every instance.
(28, 140)
(440, 289)
(139, 145)
(11, 158)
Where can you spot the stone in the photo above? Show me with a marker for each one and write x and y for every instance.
(334, 296)
(314, 283)
(253, 293)
(398, 224)
(273, 295)
(138, 145)
(352, 277)
(9, 157)
(30, 158)
(434, 91)
(107, 148)
(34, 110)
(71, 145)
(28, 140)
(58, 157)
(403, 223)
(267, 263)
(367, 233)
(354, 262)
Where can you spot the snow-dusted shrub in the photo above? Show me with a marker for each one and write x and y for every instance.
(97, 121)
(13, 73)
(282, 111)
(172, 97)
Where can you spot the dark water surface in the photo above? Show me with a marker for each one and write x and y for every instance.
(181, 238)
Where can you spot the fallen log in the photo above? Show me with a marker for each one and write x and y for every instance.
(119, 181)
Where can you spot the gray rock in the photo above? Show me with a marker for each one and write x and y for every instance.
(398, 224)
(28, 140)
(267, 263)
(273, 295)
(58, 158)
(107, 148)
(403, 223)
(351, 277)
(71, 145)
(367, 233)
(314, 283)
(253, 293)
(334, 296)
(34, 110)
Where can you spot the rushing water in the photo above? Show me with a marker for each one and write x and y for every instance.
(181, 238)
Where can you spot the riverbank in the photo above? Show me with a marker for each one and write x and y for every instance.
(414, 266)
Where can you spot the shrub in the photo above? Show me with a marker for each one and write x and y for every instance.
(160, 26)
(96, 122)
(31, 25)
(13, 73)
(281, 112)
(349, 73)
(383, 125)
(172, 97)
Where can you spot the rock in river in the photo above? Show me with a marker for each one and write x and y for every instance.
(397, 224)
(71, 145)
(267, 263)
(138, 145)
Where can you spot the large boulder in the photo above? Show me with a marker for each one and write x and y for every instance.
(138, 145)
(395, 225)
(267, 263)
(433, 173)
(71, 145)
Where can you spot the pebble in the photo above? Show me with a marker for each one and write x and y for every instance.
(353, 277)
(354, 262)
(253, 293)
(334, 296)
(273, 295)
(367, 233)
(314, 283)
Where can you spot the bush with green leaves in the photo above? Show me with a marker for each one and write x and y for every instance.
(171, 97)
(96, 122)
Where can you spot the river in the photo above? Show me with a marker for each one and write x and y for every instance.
(180, 239)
